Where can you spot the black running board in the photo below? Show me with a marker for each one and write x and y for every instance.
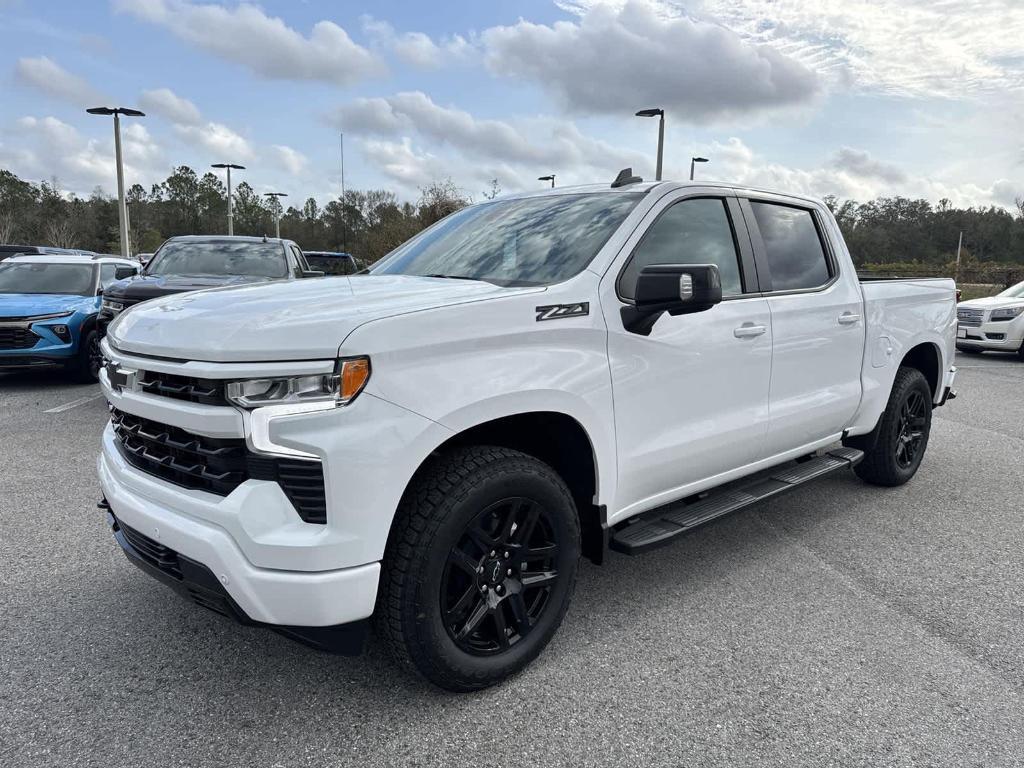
(661, 525)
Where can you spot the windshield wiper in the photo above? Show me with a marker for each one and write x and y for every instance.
(455, 277)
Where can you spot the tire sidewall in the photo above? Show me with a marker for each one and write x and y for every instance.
(517, 478)
(913, 382)
(82, 368)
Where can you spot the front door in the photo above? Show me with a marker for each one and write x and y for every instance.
(691, 399)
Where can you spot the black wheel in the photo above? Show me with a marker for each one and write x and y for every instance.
(1020, 351)
(903, 432)
(86, 367)
(479, 568)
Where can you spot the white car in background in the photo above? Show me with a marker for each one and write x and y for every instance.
(993, 323)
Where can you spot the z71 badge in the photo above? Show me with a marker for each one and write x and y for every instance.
(558, 311)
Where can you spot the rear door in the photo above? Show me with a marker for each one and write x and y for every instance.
(817, 323)
(691, 398)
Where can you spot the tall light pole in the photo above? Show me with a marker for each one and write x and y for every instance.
(659, 113)
(229, 166)
(122, 211)
(696, 160)
(344, 216)
(275, 198)
(550, 177)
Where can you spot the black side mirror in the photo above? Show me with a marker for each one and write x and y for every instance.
(313, 273)
(678, 289)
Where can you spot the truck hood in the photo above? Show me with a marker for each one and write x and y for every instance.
(991, 302)
(296, 320)
(146, 287)
(33, 304)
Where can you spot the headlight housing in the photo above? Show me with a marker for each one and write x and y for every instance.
(340, 387)
(112, 306)
(1007, 313)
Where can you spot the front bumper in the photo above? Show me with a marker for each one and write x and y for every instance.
(194, 581)
(1001, 336)
(267, 595)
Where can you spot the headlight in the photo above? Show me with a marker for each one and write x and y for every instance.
(113, 306)
(1005, 314)
(341, 387)
(54, 316)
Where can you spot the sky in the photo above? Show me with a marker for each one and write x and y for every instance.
(855, 98)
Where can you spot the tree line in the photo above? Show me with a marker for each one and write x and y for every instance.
(369, 223)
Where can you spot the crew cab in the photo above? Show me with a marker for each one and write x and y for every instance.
(533, 379)
(193, 262)
(48, 309)
(994, 323)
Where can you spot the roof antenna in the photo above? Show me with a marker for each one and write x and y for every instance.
(625, 177)
(264, 237)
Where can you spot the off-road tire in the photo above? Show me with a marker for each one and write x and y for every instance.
(439, 508)
(881, 464)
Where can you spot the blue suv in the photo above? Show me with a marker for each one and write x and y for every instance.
(48, 309)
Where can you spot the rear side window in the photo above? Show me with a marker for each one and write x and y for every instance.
(796, 258)
(694, 231)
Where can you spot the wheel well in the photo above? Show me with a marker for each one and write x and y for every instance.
(925, 357)
(559, 441)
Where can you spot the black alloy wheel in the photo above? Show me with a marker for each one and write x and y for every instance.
(499, 576)
(910, 428)
(95, 356)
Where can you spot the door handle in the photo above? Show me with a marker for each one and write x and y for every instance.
(749, 331)
(848, 318)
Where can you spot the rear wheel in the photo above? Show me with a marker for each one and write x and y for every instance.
(479, 568)
(87, 364)
(902, 432)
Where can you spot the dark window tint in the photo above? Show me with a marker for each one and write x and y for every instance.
(526, 241)
(34, 277)
(691, 232)
(220, 257)
(795, 257)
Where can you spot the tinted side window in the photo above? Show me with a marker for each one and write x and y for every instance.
(696, 231)
(796, 258)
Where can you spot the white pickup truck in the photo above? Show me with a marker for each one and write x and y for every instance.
(533, 379)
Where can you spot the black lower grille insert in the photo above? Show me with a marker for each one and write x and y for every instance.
(153, 552)
(216, 465)
(17, 338)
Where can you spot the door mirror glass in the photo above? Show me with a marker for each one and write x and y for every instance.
(674, 288)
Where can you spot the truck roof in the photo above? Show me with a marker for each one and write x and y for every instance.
(70, 258)
(647, 186)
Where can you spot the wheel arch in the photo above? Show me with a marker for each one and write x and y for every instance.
(926, 358)
(559, 440)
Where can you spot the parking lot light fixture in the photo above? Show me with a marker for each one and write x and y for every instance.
(660, 114)
(229, 166)
(275, 198)
(549, 177)
(122, 211)
(696, 160)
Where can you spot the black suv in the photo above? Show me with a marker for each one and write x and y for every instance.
(193, 262)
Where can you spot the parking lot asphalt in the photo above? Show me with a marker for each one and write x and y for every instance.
(839, 625)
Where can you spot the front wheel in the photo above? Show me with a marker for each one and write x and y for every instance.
(479, 568)
(903, 432)
(87, 364)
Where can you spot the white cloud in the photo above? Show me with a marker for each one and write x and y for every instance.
(46, 75)
(919, 48)
(291, 160)
(217, 139)
(849, 174)
(541, 144)
(50, 148)
(264, 44)
(163, 101)
(617, 60)
(415, 48)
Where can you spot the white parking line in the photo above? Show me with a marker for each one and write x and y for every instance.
(73, 404)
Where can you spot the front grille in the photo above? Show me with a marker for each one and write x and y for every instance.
(153, 552)
(216, 465)
(204, 391)
(192, 461)
(17, 338)
(970, 318)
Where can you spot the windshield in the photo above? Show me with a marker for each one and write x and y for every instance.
(26, 277)
(1013, 292)
(531, 241)
(220, 257)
